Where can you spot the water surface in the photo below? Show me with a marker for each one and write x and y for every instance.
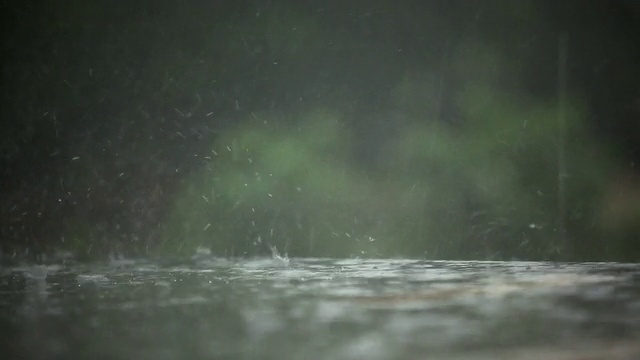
(212, 308)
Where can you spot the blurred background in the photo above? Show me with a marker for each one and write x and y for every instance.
(492, 130)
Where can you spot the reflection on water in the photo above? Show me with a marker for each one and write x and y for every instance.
(212, 308)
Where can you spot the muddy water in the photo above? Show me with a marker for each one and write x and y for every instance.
(214, 308)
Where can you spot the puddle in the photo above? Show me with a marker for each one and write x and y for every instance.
(321, 309)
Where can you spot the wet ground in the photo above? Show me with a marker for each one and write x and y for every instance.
(212, 308)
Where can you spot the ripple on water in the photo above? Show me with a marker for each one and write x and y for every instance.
(325, 309)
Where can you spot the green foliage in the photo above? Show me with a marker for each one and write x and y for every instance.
(489, 191)
(374, 131)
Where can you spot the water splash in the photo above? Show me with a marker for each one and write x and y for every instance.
(280, 259)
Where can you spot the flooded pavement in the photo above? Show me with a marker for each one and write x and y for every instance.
(213, 308)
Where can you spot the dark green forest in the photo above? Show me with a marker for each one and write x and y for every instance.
(422, 129)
